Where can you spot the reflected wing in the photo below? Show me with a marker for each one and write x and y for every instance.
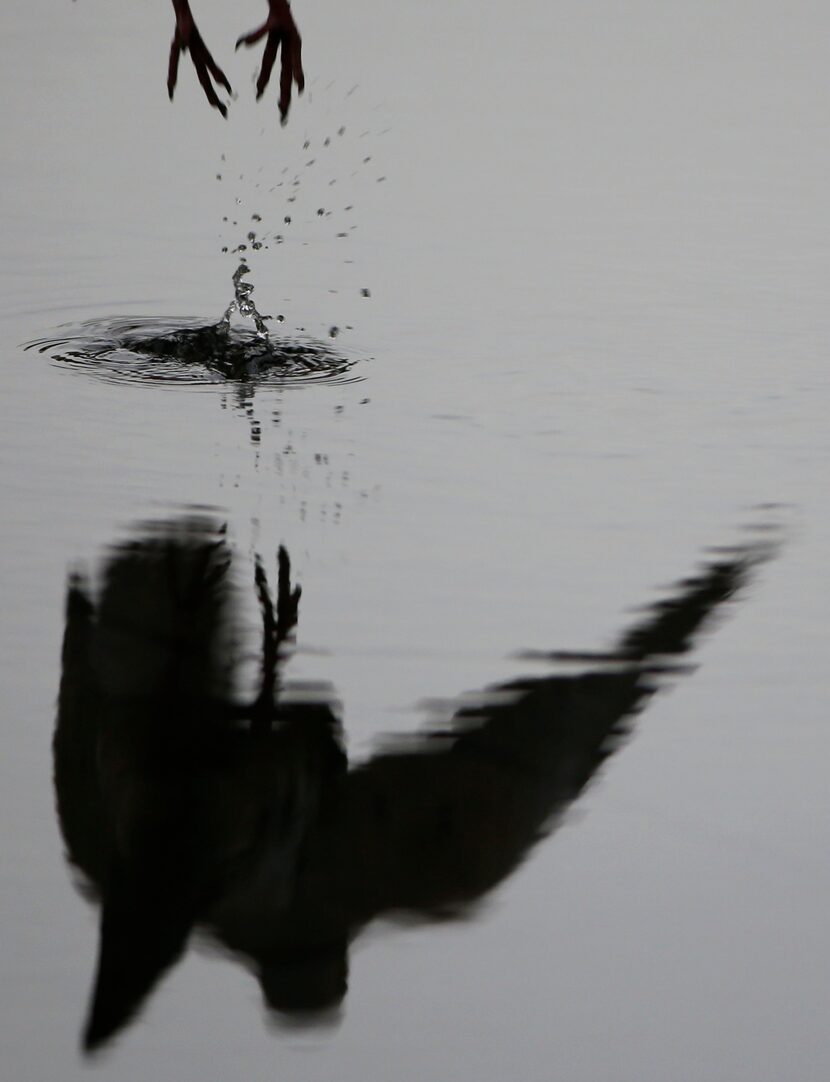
(441, 824)
(83, 821)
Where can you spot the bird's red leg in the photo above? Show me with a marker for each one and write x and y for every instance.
(282, 32)
(187, 38)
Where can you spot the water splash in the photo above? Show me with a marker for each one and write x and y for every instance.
(178, 351)
(243, 304)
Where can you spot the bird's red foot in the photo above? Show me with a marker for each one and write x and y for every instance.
(281, 31)
(187, 38)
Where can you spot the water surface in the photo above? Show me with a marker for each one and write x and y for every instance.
(577, 266)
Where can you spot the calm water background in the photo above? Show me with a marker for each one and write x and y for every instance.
(596, 343)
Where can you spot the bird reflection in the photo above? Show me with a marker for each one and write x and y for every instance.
(185, 803)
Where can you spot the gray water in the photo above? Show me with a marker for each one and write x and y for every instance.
(579, 353)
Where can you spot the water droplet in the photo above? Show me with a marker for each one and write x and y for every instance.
(225, 248)
(280, 319)
(252, 236)
(225, 218)
(242, 303)
(218, 176)
(287, 219)
(306, 144)
(366, 160)
(256, 217)
(326, 141)
(238, 202)
(320, 212)
(333, 332)
(365, 293)
(341, 131)
(256, 246)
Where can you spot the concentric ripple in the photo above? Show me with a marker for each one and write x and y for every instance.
(189, 351)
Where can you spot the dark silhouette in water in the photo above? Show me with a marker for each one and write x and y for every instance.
(184, 804)
(279, 29)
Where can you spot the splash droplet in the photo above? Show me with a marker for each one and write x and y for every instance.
(243, 304)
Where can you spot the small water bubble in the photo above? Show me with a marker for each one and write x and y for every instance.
(349, 207)
(365, 293)
(306, 144)
(381, 180)
(280, 319)
(367, 160)
(218, 176)
(287, 219)
(252, 236)
(256, 217)
(222, 157)
(342, 234)
(238, 201)
(326, 141)
(333, 332)
(313, 160)
(341, 131)
(320, 212)
(256, 246)
(225, 248)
